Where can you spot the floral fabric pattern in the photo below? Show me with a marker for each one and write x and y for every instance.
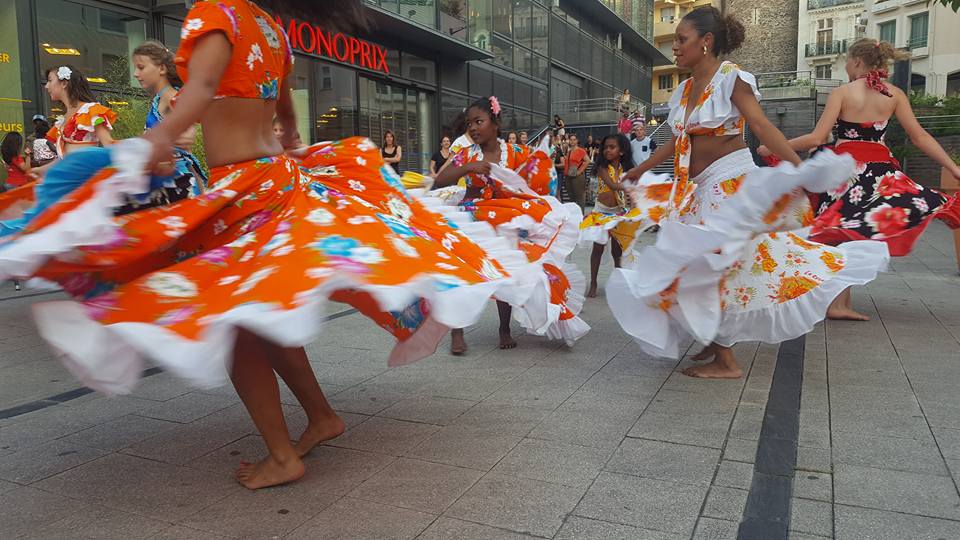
(879, 203)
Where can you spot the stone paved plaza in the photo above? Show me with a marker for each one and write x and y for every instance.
(594, 442)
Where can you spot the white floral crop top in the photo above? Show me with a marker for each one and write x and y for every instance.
(714, 113)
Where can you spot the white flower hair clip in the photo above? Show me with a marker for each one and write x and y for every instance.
(64, 73)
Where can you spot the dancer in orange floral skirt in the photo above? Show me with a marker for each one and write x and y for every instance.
(509, 188)
(230, 284)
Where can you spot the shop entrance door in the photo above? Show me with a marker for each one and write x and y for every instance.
(407, 112)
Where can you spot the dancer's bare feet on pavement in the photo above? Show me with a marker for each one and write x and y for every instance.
(592, 292)
(330, 428)
(723, 367)
(458, 345)
(706, 353)
(845, 314)
(269, 472)
(506, 340)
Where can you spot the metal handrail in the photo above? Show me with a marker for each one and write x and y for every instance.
(597, 104)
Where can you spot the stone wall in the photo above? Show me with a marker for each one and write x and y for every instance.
(771, 37)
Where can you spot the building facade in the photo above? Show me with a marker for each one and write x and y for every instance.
(928, 30)
(771, 34)
(666, 16)
(826, 29)
(421, 63)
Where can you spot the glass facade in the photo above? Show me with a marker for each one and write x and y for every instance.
(541, 52)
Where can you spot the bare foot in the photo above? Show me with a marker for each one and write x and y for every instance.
(269, 472)
(846, 314)
(706, 353)
(314, 435)
(592, 293)
(506, 341)
(713, 370)
(458, 345)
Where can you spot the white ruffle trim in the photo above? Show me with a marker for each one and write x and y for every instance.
(110, 358)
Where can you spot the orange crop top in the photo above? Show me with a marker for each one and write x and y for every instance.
(261, 56)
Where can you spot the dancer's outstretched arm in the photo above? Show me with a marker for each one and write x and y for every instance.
(656, 158)
(919, 136)
(769, 135)
(821, 132)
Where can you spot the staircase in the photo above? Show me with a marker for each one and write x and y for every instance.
(662, 136)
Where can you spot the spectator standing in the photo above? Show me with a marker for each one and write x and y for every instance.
(441, 157)
(575, 168)
(18, 169)
(641, 144)
(625, 125)
(391, 151)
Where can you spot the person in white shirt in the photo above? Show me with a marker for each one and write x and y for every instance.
(640, 143)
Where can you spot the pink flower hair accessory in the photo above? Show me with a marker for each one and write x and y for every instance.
(495, 105)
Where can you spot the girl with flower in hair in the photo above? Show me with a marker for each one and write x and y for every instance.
(510, 188)
(880, 202)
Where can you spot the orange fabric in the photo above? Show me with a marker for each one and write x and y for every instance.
(15, 201)
(261, 56)
(81, 127)
(267, 233)
(576, 157)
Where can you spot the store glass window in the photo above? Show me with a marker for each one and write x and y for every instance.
(422, 12)
(502, 17)
(451, 105)
(502, 50)
(12, 98)
(480, 23)
(419, 69)
(503, 88)
(539, 26)
(453, 18)
(522, 22)
(97, 41)
(325, 100)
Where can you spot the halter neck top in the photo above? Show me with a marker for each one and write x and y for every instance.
(714, 113)
(154, 116)
(860, 131)
(81, 127)
(261, 56)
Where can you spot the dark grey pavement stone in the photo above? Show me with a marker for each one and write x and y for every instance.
(557, 463)
(578, 528)
(898, 491)
(26, 509)
(643, 502)
(455, 529)
(665, 461)
(34, 464)
(502, 419)
(517, 504)
(363, 520)
(417, 485)
(854, 523)
(464, 447)
(428, 409)
(385, 436)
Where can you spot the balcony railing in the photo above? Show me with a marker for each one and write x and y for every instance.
(837, 46)
(819, 4)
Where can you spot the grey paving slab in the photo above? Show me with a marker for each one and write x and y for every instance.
(455, 529)
(363, 520)
(141, 486)
(428, 409)
(740, 450)
(715, 529)
(734, 474)
(725, 503)
(583, 427)
(42, 427)
(898, 491)
(260, 514)
(867, 524)
(417, 485)
(340, 470)
(621, 406)
(179, 532)
(811, 517)
(517, 504)
(187, 442)
(554, 462)
(33, 464)
(697, 429)
(895, 453)
(366, 399)
(502, 418)
(464, 447)
(97, 522)
(161, 387)
(385, 436)
(578, 528)
(643, 502)
(27, 509)
(188, 407)
(120, 433)
(813, 485)
(814, 459)
(7, 486)
(665, 461)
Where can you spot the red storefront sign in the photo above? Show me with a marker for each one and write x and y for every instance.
(312, 39)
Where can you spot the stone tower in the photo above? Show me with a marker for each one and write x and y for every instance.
(771, 38)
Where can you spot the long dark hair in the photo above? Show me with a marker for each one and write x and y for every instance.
(11, 146)
(41, 127)
(332, 14)
(78, 89)
(392, 136)
(626, 159)
(728, 32)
